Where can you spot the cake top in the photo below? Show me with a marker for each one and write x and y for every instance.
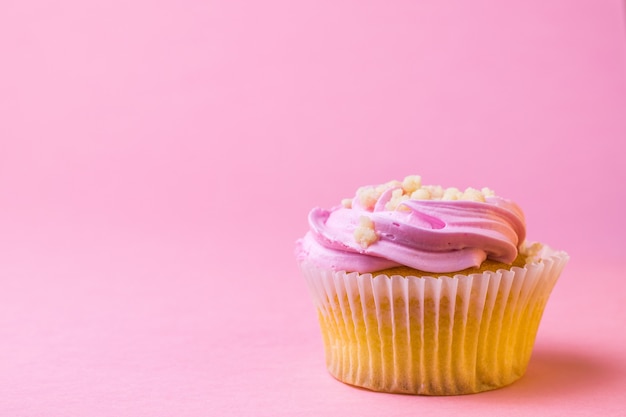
(405, 223)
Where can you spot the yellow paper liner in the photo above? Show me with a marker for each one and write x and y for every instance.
(447, 335)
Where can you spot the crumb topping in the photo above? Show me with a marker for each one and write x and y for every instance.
(411, 188)
(397, 197)
(533, 252)
(365, 234)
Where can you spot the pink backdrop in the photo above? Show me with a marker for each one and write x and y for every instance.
(158, 160)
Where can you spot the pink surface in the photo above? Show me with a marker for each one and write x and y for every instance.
(158, 160)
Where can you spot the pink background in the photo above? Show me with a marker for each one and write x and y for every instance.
(158, 160)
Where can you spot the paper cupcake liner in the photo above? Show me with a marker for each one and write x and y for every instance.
(449, 335)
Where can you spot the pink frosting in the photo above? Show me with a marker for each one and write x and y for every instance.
(432, 235)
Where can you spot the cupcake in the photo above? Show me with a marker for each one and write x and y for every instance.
(421, 289)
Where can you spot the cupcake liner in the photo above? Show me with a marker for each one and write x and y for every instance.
(448, 335)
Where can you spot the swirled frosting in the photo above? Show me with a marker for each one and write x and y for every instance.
(397, 227)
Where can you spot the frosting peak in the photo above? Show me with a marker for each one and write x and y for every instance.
(423, 227)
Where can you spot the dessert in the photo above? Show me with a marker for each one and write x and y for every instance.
(427, 290)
